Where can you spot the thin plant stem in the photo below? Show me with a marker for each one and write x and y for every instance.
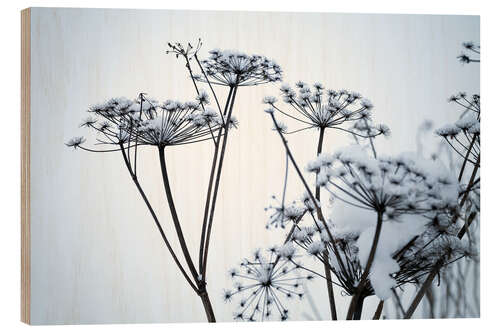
(421, 293)
(428, 282)
(328, 274)
(378, 312)
(155, 218)
(217, 182)
(173, 211)
(210, 184)
(364, 277)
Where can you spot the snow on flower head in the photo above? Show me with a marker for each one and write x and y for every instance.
(264, 282)
(463, 136)
(269, 100)
(280, 214)
(144, 121)
(75, 142)
(312, 107)
(287, 251)
(236, 68)
(316, 248)
(448, 131)
(405, 185)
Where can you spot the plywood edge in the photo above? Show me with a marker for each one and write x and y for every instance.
(25, 165)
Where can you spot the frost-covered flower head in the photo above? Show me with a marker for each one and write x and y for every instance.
(75, 142)
(405, 254)
(232, 68)
(147, 122)
(280, 214)
(316, 108)
(465, 133)
(342, 256)
(422, 253)
(265, 283)
(471, 53)
(392, 186)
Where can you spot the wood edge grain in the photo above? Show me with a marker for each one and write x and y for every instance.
(25, 166)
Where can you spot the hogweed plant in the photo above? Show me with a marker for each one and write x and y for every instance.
(265, 282)
(414, 203)
(452, 297)
(416, 212)
(418, 221)
(464, 138)
(314, 108)
(128, 126)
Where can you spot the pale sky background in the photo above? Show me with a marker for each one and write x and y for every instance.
(96, 254)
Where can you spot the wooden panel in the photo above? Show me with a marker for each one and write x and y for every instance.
(96, 255)
(25, 164)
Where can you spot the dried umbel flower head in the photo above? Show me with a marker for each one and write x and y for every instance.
(280, 214)
(185, 51)
(316, 108)
(392, 186)
(464, 136)
(471, 53)
(407, 251)
(265, 282)
(341, 256)
(231, 68)
(75, 142)
(423, 252)
(147, 122)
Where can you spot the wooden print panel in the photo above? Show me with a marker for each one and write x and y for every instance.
(90, 250)
(25, 164)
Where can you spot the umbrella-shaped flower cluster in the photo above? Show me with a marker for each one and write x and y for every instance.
(146, 122)
(230, 68)
(264, 282)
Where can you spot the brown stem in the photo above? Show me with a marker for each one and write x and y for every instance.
(210, 184)
(304, 182)
(155, 218)
(378, 312)
(207, 305)
(173, 211)
(373, 249)
(326, 264)
(462, 169)
(359, 308)
(364, 277)
(421, 293)
(428, 282)
(217, 182)
(329, 286)
(320, 148)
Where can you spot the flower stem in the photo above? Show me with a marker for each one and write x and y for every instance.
(359, 308)
(378, 312)
(358, 296)
(440, 263)
(328, 274)
(210, 184)
(155, 218)
(207, 305)
(173, 211)
(217, 182)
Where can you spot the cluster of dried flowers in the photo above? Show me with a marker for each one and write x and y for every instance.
(128, 125)
(420, 211)
(417, 213)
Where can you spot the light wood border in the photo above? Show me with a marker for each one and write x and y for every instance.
(25, 165)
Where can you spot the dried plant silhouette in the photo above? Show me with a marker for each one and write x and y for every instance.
(420, 211)
(127, 126)
(413, 219)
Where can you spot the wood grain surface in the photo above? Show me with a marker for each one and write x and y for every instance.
(25, 164)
